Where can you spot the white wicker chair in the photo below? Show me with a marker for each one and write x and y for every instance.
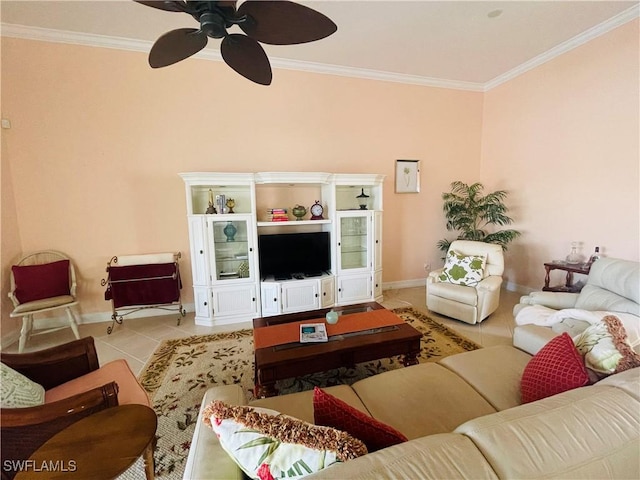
(28, 309)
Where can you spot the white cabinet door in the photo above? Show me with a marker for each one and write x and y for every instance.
(353, 241)
(354, 288)
(270, 298)
(299, 296)
(231, 246)
(377, 240)
(377, 285)
(327, 292)
(202, 305)
(239, 300)
(198, 246)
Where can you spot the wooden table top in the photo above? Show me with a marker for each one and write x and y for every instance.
(299, 351)
(100, 446)
(569, 267)
(314, 314)
(296, 359)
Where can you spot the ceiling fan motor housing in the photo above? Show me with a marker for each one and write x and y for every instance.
(213, 25)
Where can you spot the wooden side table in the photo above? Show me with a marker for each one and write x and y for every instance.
(100, 446)
(570, 268)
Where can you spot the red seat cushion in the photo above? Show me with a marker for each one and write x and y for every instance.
(556, 368)
(330, 411)
(35, 282)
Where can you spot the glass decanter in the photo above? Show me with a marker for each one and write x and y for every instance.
(574, 256)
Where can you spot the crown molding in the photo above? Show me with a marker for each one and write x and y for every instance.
(119, 43)
(92, 40)
(584, 37)
(73, 38)
(352, 72)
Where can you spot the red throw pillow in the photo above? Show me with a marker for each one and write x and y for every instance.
(556, 368)
(35, 282)
(330, 411)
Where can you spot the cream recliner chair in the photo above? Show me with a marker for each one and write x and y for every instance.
(470, 304)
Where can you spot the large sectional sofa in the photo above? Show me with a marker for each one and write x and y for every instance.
(463, 415)
(463, 418)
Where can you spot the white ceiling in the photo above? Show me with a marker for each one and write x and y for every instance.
(460, 44)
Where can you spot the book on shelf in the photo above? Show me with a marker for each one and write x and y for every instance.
(276, 210)
(313, 332)
(278, 217)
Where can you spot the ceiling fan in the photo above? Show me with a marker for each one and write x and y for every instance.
(273, 22)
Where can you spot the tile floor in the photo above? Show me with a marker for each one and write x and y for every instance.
(137, 338)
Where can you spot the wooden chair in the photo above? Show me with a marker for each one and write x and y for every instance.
(41, 282)
(75, 387)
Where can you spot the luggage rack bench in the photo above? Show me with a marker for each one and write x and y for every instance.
(141, 282)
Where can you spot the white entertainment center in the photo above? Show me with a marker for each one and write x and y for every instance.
(225, 255)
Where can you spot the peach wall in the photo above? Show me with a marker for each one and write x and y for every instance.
(10, 247)
(90, 164)
(564, 139)
(98, 139)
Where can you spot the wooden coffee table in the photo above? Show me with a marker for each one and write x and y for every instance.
(295, 359)
(99, 446)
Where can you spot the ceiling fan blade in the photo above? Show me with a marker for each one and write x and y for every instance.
(283, 22)
(246, 57)
(168, 6)
(176, 45)
(227, 4)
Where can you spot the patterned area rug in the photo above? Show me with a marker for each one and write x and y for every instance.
(181, 370)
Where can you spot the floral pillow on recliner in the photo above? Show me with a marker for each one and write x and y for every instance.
(463, 269)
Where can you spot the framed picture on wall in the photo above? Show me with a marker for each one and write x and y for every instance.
(407, 176)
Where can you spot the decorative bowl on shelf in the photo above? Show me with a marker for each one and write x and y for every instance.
(299, 212)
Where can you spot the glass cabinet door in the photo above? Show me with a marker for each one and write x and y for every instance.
(232, 250)
(354, 242)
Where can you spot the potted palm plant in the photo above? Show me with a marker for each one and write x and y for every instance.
(470, 212)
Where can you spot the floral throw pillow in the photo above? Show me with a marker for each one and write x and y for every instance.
(462, 269)
(267, 445)
(605, 347)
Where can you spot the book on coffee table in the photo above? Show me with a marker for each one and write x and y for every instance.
(313, 332)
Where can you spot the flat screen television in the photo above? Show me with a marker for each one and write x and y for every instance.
(285, 254)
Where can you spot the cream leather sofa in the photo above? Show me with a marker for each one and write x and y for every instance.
(613, 285)
(463, 418)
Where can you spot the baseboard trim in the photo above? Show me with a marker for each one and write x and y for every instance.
(87, 318)
(9, 339)
(100, 317)
(418, 282)
(514, 287)
(421, 282)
